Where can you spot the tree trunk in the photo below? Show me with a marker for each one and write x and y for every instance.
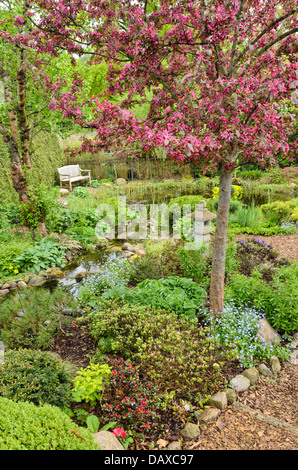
(220, 243)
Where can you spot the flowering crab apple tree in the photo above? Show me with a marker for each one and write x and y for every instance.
(214, 75)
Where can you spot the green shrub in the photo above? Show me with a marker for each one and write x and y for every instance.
(80, 191)
(278, 211)
(183, 200)
(274, 176)
(32, 318)
(34, 376)
(84, 235)
(44, 254)
(24, 426)
(39, 204)
(195, 264)
(294, 216)
(176, 294)
(9, 251)
(88, 383)
(174, 350)
(250, 174)
(277, 298)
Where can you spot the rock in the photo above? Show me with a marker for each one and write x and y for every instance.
(22, 285)
(140, 253)
(128, 254)
(219, 400)
(80, 276)
(174, 445)
(267, 333)
(4, 291)
(231, 395)
(240, 383)
(113, 248)
(190, 431)
(107, 441)
(6, 285)
(37, 281)
(252, 374)
(293, 359)
(275, 365)
(12, 285)
(264, 370)
(127, 246)
(63, 191)
(54, 273)
(120, 181)
(209, 415)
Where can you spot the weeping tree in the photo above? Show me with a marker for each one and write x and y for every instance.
(214, 75)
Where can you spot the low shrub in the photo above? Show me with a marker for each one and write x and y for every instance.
(278, 211)
(80, 191)
(278, 299)
(183, 200)
(173, 350)
(274, 176)
(32, 318)
(88, 383)
(129, 400)
(255, 252)
(24, 426)
(34, 376)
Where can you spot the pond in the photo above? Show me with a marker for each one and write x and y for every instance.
(89, 263)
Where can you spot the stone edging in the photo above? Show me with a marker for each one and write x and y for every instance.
(218, 402)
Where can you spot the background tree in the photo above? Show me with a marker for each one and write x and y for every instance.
(213, 74)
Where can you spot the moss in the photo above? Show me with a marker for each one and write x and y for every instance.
(46, 158)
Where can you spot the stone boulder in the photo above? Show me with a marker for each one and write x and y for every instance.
(120, 181)
(219, 400)
(252, 374)
(107, 441)
(240, 383)
(64, 191)
(190, 431)
(267, 333)
(37, 281)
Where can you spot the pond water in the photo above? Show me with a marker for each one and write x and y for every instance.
(88, 263)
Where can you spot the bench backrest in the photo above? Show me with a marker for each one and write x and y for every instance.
(70, 170)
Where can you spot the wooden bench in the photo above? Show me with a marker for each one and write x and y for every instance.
(71, 174)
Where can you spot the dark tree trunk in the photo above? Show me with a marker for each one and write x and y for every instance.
(220, 243)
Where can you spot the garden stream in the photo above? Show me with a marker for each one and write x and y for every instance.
(82, 266)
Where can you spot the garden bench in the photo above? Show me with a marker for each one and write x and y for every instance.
(72, 173)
